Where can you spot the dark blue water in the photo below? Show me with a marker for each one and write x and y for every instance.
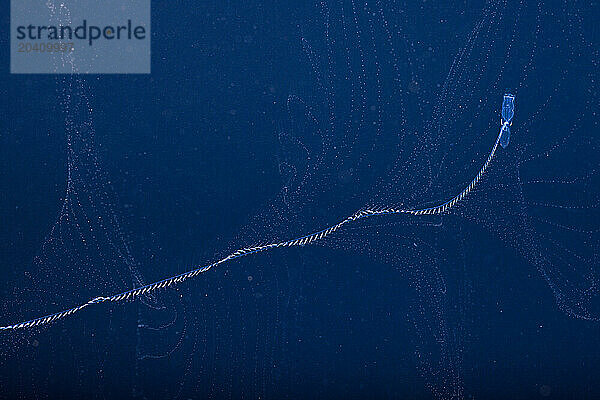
(262, 122)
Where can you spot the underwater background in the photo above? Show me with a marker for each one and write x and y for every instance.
(266, 121)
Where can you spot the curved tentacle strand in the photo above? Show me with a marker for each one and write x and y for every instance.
(300, 241)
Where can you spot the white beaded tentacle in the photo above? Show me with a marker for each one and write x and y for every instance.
(301, 241)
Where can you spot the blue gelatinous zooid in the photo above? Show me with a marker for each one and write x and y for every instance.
(508, 111)
(505, 135)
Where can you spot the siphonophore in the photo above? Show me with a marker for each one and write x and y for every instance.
(359, 109)
(299, 241)
(508, 111)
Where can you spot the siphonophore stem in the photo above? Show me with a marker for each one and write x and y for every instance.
(300, 241)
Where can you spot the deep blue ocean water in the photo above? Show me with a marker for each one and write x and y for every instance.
(263, 122)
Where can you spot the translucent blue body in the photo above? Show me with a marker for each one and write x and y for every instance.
(508, 111)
